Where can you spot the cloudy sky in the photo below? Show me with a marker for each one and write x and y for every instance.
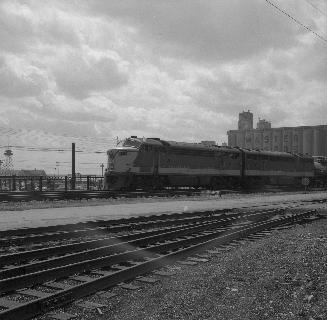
(88, 71)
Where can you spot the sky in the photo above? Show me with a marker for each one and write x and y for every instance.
(89, 71)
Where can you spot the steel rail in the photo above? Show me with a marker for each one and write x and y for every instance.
(114, 246)
(88, 224)
(101, 247)
(104, 223)
(7, 259)
(101, 230)
(30, 309)
(15, 196)
(26, 275)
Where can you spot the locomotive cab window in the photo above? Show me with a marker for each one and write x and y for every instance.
(252, 156)
(234, 156)
(147, 148)
(123, 153)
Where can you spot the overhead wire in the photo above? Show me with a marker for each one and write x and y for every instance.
(297, 21)
(59, 143)
(47, 149)
(313, 6)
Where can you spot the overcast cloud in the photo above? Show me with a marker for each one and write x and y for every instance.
(179, 70)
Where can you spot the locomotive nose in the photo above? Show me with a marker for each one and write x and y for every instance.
(121, 160)
(111, 159)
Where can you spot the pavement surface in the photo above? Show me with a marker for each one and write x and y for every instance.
(56, 216)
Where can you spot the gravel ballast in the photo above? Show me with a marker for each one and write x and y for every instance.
(280, 276)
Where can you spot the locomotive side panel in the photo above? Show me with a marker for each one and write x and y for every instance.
(320, 169)
(198, 167)
(199, 162)
(154, 163)
(276, 168)
(144, 161)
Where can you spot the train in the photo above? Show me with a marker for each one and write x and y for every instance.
(152, 164)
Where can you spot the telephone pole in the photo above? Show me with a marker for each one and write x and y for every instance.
(73, 166)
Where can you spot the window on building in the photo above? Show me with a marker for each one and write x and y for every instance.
(296, 138)
(285, 138)
(275, 139)
(285, 148)
(275, 148)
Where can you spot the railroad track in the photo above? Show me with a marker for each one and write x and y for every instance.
(22, 196)
(35, 281)
(94, 229)
(19, 196)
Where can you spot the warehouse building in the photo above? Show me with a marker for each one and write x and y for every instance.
(311, 140)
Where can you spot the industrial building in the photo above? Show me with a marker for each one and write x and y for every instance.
(311, 140)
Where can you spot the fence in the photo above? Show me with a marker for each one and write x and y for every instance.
(46, 183)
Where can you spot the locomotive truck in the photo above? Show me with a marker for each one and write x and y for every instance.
(152, 163)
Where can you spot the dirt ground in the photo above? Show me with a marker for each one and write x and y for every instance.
(35, 214)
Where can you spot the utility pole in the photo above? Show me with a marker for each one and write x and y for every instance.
(73, 166)
(57, 166)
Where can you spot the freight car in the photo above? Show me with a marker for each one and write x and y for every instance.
(152, 163)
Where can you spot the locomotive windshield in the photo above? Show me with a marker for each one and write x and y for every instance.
(131, 143)
(111, 154)
(321, 160)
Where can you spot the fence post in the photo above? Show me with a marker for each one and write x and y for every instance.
(40, 184)
(88, 183)
(32, 184)
(14, 182)
(66, 183)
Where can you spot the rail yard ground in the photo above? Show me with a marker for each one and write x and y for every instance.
(282, 275)
(37, 213)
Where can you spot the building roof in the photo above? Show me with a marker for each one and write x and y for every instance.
(321, 126)
(31, 173)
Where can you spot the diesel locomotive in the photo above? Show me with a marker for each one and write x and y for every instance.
(152, 163)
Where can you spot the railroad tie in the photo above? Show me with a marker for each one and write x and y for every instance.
(198, 259)
(34, 293)
(9, 304)
(106, 294)
(187, 263)
(164, 273)
(129, 286)
(89, 305)
(147, 279)
(61, 316)
(57, 285)
(82, 278)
